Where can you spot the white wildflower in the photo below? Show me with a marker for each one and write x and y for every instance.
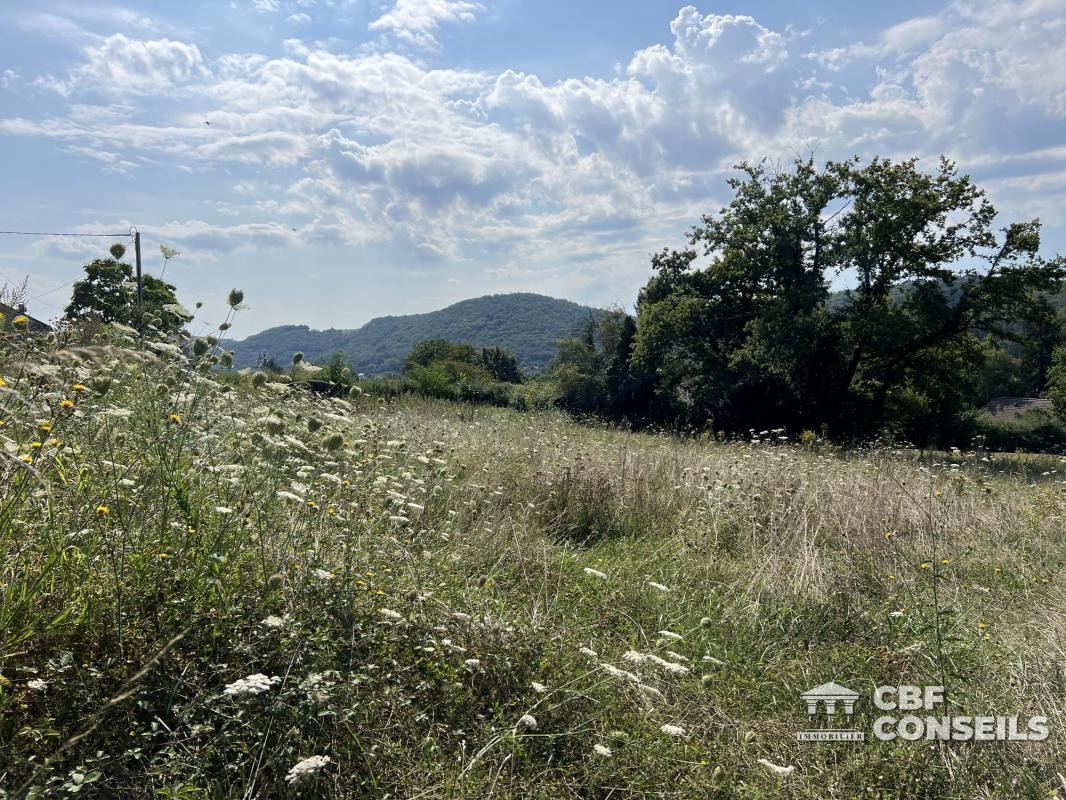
(595, 573)
(588, 652)
(650, 691)
(676, 656)
(472, 664)
(713, 660)
(674, 637)
(784, 772)
(253, 684)
(633, 657)
(602, 750)
(614, 672)
(459, 615)
(323, 575)
(37, 685)
(527, 721)
(307, 768)
(294, 498)
(672, 730)
(389, 614)
(274, 622)
(539, 688)
(658, 586)
(223, 510)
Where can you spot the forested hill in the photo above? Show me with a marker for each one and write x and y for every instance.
(526, 324)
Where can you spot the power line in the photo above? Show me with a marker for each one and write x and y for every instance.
(42, 233)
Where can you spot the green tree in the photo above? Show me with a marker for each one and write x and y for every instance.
(501, 364)
(108, 293)
(750, 339)
(428, 351)
(1056, 385)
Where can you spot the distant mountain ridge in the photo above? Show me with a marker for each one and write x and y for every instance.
(526, 324)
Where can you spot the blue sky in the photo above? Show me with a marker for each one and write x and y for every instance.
(370, 157)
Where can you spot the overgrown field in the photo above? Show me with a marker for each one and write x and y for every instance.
(208, 579)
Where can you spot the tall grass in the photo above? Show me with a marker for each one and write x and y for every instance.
(207, 581)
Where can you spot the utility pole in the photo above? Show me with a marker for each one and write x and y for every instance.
(140, 287)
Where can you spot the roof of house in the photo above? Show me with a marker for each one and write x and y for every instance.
(35, 326)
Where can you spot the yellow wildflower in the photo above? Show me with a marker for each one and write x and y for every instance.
(36, 445)
(2, 383)
(26, 458)
(925, 565)
(175, 418)
(80, 387)
(102, 510)
(21, 321)
(66, 403)
(44, 427)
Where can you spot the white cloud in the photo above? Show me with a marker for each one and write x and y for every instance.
(119, 65)
(416, 21)
(508, 168)
(300, 18)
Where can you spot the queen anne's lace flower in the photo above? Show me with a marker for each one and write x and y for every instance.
(253, 684)
(307, 768)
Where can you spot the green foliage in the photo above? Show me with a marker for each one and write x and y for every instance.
(527, 325)
(108, 293)
(753, 340)
(204, 582)
(448, 370)
(1056, 390)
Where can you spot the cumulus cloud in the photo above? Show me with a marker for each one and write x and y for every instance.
(416, 21)
(458, 163)
(119, 65)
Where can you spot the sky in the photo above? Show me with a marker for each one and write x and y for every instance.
(345, 159)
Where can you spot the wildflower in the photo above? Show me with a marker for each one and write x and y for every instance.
(36, 445)
(472, 664)
(672, 730)
(981, 626)
(223, 510)
(459, 615)
(895, 614)
(671, 635)
(633, 657)
(650, 691)
(527, 721)
(80, 387)
(307, 768)
(252, 684)
(282, 494)
(66, 403)
(658, 586)
(783, 772)
(614, 672)
(925, 565)
(595, 573)
(44, 427)
(3, 383)
(26, 459)
(21, 321)
(273, 621)
(323, 575)
(37, 685)
(175, 418)
(389, 614)
(588, 652)
(602, 750)
(539, 688)
(102, 511)
(236, 297)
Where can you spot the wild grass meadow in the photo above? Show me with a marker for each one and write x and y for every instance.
(216, 585)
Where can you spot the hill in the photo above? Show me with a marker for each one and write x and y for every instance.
(526, 324)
